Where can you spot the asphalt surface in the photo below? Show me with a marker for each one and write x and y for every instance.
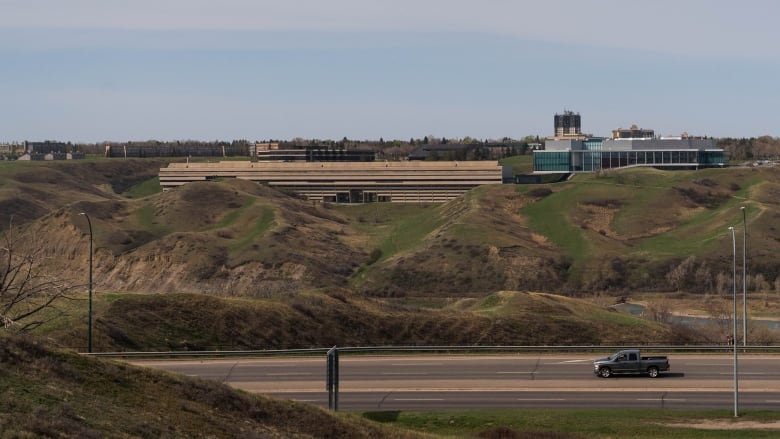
(491, 381)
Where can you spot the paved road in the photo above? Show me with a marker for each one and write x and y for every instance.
(489, 381)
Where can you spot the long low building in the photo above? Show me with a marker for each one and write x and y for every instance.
(350, 182)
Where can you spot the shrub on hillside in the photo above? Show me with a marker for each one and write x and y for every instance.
(540, 192)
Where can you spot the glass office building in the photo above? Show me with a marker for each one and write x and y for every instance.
(594, 154)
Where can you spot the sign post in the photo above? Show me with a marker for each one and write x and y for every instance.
(332, 378)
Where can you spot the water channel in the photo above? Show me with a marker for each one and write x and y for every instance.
(638, 310)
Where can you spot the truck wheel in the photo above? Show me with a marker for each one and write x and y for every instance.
(652, 371)
(605, 372)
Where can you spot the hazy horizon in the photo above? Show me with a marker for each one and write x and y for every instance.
(92, 71)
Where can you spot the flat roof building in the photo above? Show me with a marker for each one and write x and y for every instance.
(631, 147)
(351, 182)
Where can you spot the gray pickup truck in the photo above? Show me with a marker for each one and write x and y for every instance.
(630, 361)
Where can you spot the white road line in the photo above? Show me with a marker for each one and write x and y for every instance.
(404, 373)
(571, 361)
(541, 399)
(418, 399)
(522, 372)
(708, 364)
(417, 364)
(743, 373)
(286, 374)
(773, 401)
(660, 399)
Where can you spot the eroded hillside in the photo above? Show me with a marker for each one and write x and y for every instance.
(619, 231)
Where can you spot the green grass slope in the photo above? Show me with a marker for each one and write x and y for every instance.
(648, 217)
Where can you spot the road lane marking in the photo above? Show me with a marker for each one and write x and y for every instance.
(417, 364)
(404, 373)
(708, 364)
(541, 399)
(418, 399)
(743, 373)
(773, 401)
(569, 361)
(516, 372)
(661, 399)
(288, 374)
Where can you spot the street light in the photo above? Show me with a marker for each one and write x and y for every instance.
(744, 278)
(734, 346)
(89, 321)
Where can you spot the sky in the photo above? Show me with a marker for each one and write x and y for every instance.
(121, 70)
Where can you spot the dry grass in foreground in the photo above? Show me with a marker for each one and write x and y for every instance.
(53, 393)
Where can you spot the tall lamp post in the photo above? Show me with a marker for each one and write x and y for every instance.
(89, 321)
(734, 346)
(744, 278)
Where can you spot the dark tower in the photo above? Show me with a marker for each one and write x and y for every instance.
(567, 124)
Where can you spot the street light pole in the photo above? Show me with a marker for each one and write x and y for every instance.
(89, 318)
(744, 278)
(734, 346)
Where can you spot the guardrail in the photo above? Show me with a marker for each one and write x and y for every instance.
(434, 349)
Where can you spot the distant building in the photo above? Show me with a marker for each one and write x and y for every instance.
(632, 133)
(11, 150)
(568, 124)
(273, 152)
(176, 149)
(356, 182)
(628, 147)
(46, 150)
(468, 151)
(47, 147)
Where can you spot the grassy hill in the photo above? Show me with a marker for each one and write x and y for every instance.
(51, 393)
(621, 232)
(315, 319)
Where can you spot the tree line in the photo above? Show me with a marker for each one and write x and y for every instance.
(753, 148)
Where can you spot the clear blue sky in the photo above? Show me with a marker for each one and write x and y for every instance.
(95, 70)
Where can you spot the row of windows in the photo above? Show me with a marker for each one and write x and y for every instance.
(569, 161)
(552, 161)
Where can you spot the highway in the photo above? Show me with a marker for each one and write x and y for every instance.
(701, 381)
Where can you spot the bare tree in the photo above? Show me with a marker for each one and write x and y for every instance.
(679, 277)
(777, 285)
(659, 310)
(722, 283)
(28, 293)
(760, 285)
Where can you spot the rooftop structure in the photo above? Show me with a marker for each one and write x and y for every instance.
(568, 124)
(632, 133)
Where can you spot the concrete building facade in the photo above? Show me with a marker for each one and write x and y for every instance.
(350, 182)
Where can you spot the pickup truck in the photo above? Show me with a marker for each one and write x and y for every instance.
(630, 361)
